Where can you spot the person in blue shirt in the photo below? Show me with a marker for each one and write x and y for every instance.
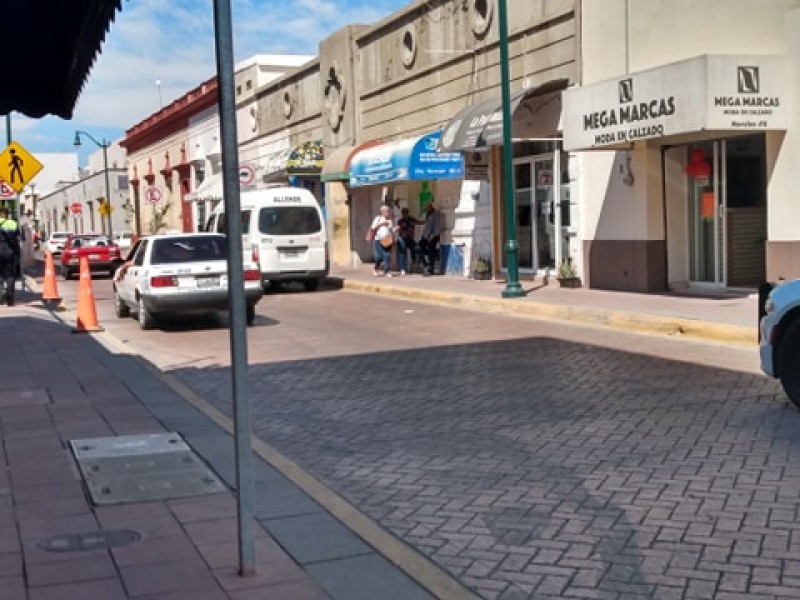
(9, 254)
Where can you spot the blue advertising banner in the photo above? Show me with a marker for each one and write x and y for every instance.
(404, 160)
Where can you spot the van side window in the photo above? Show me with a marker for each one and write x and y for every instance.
(246, 221)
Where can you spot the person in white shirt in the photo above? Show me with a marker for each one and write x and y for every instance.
(383, 227)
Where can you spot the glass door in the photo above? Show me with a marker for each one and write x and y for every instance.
(534, 213)
(706, 214)
(523, 209)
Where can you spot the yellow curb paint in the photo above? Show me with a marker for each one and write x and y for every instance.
(439, 583)
(614, 319)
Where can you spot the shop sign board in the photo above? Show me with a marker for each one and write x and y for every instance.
(742, 93)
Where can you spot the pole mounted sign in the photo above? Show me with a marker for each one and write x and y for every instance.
(18, 166)
(76, 208)
(152, 195)
(247, 174)
(6, 191)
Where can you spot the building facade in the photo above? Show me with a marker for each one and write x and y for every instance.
(682, 133)
(73, 203)
(652, 141)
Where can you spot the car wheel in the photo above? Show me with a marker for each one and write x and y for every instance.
(788, 362)
(311, 285)
(274, 286)
(146, 320)
(251, 314)
(121, 309)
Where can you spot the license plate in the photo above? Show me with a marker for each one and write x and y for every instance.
(291, 253)
(207, 282)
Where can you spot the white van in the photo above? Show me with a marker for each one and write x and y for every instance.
(283, 231)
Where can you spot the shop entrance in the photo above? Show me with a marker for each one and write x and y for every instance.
(727, 223)
(534, 213)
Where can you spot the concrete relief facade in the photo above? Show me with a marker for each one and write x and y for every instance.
(418, 68)
(339, 121)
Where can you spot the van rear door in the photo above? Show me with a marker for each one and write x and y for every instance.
(297, 235)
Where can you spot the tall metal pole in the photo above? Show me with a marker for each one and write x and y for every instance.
(513, 288)
(105, 146)
(12, 201)
(238, 328)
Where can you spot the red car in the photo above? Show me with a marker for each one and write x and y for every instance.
(102, 253)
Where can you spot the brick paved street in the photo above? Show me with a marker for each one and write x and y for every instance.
(529, 460)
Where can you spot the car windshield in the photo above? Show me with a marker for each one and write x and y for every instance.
(289, 220)
(188, 249)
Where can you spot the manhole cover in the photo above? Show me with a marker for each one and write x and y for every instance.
(75, 542)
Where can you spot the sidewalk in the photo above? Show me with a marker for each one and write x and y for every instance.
(725, 316)
(59, 386)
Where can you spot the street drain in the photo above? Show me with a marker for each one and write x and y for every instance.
(77, 542)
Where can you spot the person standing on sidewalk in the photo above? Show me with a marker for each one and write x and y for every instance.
(405, 240)
(384, 240)
(430, 238)
(9, 254)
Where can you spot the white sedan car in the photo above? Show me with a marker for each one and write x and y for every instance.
(179, 274)
(55, 243)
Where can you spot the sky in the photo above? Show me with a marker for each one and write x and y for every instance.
(156, 51)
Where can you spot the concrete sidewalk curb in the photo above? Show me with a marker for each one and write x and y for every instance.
(435, 580)
(595, 317)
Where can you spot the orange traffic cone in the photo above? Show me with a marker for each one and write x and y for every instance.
(87, 312)
(50, 297)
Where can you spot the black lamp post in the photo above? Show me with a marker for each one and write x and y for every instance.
(104, 145)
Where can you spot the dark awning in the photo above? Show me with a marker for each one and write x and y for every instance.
(481, 125)
(49, 50)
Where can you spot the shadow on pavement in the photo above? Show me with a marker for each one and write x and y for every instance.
(509, 461)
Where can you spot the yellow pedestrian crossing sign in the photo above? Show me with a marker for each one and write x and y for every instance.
(18, 166)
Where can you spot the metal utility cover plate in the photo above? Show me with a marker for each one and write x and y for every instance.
(157, 467)
(128, 445)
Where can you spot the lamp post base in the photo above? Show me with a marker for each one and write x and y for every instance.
(513, 290)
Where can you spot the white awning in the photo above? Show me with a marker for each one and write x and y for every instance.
(210, 189)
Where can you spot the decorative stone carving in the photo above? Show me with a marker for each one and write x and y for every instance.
(335, 96)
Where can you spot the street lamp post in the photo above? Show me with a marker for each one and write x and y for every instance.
(104, 145)
(513, 288)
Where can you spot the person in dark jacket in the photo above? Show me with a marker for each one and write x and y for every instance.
(9, 254)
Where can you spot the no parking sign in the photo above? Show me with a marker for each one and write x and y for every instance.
(247, 174)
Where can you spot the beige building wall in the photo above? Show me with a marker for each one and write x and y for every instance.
(619, 37)
(151, 162)
(419, 67)
(340, 112)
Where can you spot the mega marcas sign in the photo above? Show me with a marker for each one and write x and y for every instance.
(704, 93)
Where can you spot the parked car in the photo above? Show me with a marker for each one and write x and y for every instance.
(55, 243)
(179, 274)
(123, 239)
(779, 346)
(102, 254)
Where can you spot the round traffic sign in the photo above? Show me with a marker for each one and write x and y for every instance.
(152, 195)
(76, 208)
(247, 174)
(6, 191)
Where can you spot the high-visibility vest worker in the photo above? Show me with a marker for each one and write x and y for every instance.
(9, 254)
